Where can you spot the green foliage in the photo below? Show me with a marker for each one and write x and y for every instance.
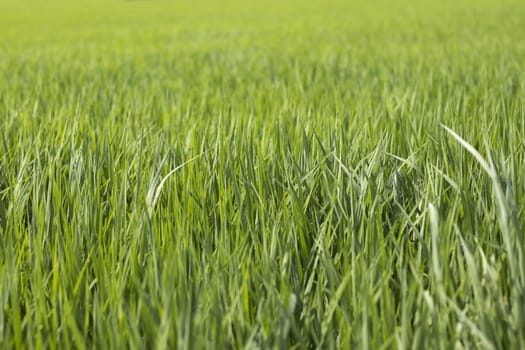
(262, 174)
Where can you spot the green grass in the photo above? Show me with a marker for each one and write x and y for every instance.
(277, 174)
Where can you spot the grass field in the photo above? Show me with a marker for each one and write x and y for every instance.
(271, 174)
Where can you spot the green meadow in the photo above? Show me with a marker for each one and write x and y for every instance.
(262, 174)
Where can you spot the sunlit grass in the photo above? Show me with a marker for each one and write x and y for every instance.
(262, 175)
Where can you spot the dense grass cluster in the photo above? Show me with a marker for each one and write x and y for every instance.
(262, 175)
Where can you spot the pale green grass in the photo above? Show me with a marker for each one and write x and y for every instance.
(262, 174)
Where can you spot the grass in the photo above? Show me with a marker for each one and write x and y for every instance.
(262, 175)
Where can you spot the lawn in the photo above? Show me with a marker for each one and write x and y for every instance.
(262, 174)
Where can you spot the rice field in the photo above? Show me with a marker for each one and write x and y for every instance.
(262, 175)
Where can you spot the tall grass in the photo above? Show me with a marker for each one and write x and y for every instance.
(273, 175)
